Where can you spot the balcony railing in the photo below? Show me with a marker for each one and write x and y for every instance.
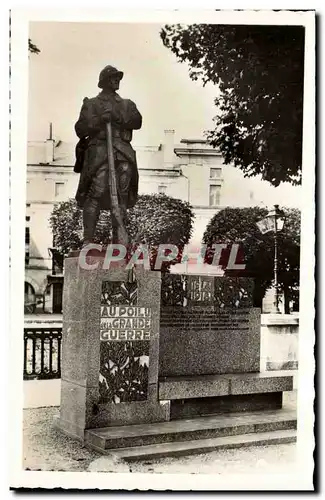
(42, 353)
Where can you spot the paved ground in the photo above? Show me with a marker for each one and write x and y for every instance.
(45, 448)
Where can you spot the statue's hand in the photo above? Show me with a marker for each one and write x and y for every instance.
(106, 115)
(111, 114)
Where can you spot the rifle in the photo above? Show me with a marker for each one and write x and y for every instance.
(122, 234)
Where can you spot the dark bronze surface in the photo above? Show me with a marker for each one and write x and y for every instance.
(109, 174)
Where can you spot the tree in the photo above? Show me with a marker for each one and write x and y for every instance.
(238, 225)
(155, 219)
(289, 257)
(259, 72)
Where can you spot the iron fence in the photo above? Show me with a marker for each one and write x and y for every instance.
(42, 353)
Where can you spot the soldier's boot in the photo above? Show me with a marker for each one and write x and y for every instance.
(91, 213)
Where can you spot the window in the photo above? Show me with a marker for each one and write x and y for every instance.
(59, 189)
(30, 301)
(162, 189)
(215, 173)
(27, 236)
(214, 198)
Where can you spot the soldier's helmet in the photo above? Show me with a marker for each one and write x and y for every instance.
(107, 72)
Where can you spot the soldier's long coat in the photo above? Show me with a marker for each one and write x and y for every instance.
(125, 118)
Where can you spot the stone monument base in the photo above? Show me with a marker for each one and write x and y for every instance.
(110, 347)
(207, 413)
(125, 390)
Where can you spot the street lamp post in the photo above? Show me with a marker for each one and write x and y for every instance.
(274, 221)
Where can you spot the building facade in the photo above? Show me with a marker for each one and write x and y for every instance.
(190, 170)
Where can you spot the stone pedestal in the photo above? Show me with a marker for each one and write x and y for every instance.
(123, 386)
(109, 364)
(210, 348)
(279, 342)
(208, 326)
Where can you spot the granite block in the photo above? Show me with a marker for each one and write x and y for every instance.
(262, 384)
(212, 350)
(153, 360)
(153, 392)
(111, 414)
(70, 429)
(198, 424)
(74, 291)
(73, 403)
(189, 408)
(92, 405)
(194, 387)
(149, 283)
(151, 410)
(93, 343)
(201, 386)
(70, 267)
(80, 330)
(276, 425)
(80, 402)
(74, 352)
(201, 432)
(200, 446)
(206, 427)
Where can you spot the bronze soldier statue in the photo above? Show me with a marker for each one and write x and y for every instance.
(105, 126)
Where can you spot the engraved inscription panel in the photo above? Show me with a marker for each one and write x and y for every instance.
(124, 348)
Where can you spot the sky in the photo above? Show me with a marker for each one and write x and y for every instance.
(67, 69)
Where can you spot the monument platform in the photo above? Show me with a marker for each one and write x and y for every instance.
(154, 367)
(197, 435)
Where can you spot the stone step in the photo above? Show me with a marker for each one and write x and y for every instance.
(228, 384)
(199, 428)
(177, 449)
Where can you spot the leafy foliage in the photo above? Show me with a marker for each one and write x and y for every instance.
(155, 219)
(238, 225)
(259, 72)
(289, 256)
(66, 224)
